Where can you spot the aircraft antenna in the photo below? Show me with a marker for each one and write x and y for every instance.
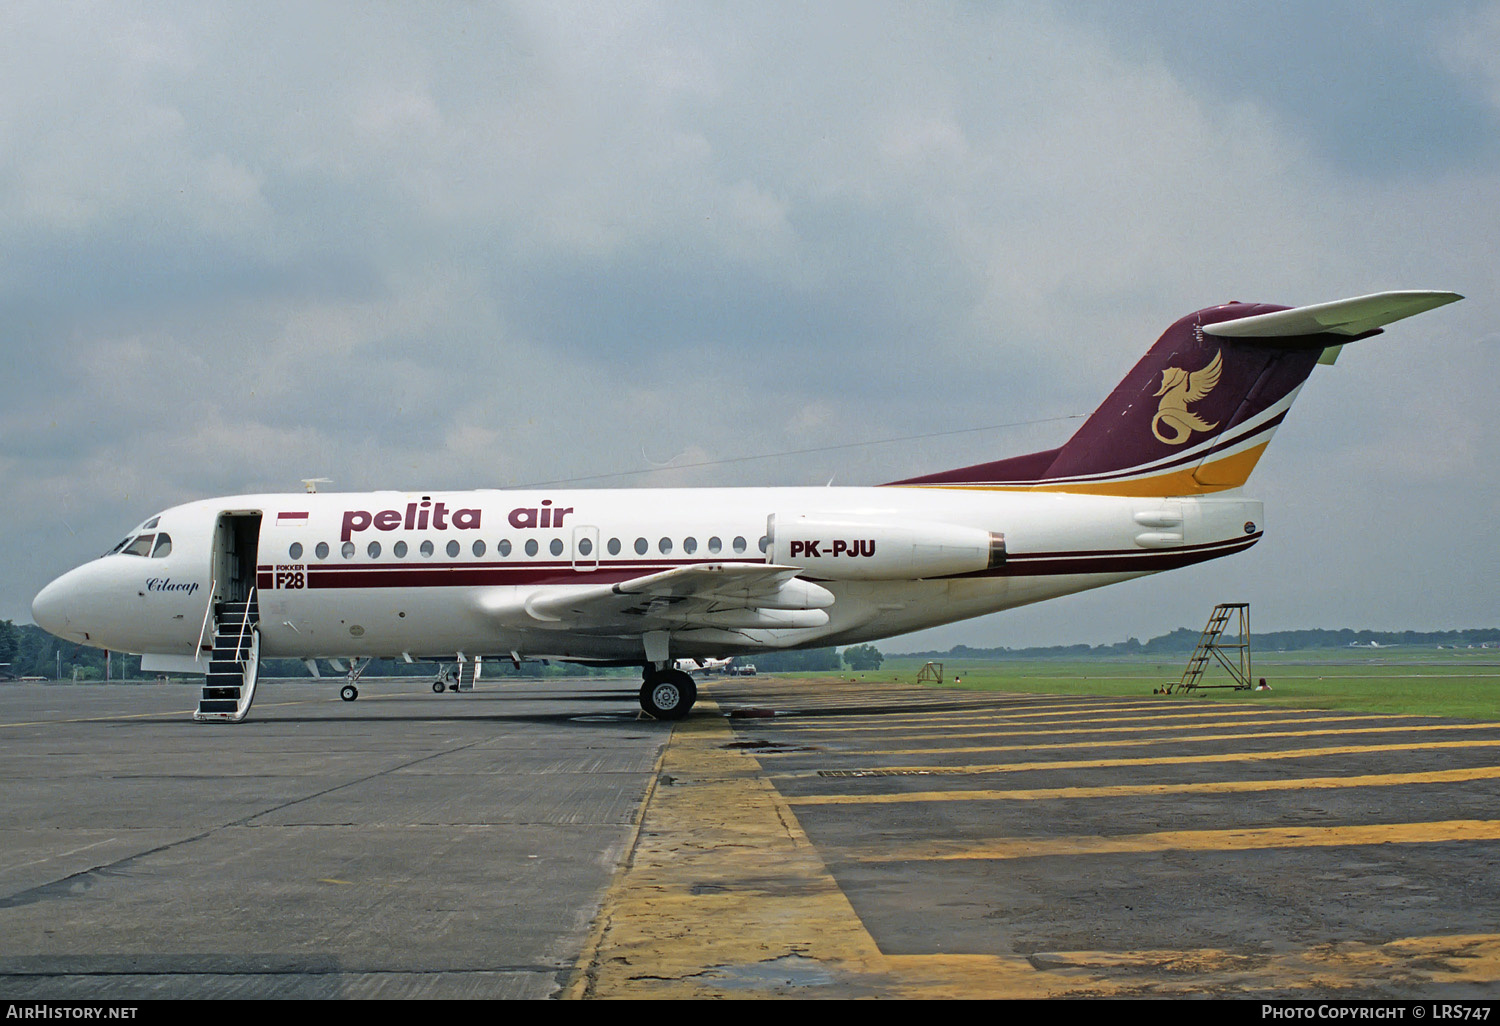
(796, 452)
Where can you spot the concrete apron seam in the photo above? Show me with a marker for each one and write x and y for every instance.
(581, 984)
(721, 894)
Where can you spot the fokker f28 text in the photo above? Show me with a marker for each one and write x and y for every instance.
(1150, 482)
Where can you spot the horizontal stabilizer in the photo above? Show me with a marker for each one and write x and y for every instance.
(1195, 414)
(1357, 316)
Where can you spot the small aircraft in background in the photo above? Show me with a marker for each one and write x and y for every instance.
(704, 665)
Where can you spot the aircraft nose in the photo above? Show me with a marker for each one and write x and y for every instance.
(51, 608)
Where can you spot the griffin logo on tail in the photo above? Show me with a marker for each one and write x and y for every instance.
(1178, 388)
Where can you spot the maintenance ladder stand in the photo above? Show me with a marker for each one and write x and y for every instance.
(1210, 645)
(932, 673)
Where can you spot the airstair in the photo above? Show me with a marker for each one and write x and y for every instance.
(469, 673)
(234, 666)
(461, 675)
(1213, 646)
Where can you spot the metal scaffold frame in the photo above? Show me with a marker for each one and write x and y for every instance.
(1234, 657)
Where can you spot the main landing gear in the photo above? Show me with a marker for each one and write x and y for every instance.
(447, 679)
(667, 694)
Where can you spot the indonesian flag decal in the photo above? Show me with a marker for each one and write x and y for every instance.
(291, 519)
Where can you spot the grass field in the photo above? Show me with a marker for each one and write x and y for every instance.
(1462, 683)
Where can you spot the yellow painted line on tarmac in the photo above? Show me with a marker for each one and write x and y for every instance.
(943, 731)
(721, 880)
(1141, 742)
(1246, 839)
(723, 895)
(1428, 965)
(1002, 719)
(1160, 760)
(1454, 776)
(100, 719)
(1042, 710)
(137, 716)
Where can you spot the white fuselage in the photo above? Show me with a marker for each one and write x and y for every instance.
(429, 575)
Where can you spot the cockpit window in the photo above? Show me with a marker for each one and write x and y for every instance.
(138, 542)
(141, 546)
(163, 546)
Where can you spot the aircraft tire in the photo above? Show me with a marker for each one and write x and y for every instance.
(348, 692)
(668, 695)
(438, 687)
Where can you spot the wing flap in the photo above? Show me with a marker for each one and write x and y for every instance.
(723, 595)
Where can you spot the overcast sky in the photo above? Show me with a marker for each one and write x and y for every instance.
(480, 245)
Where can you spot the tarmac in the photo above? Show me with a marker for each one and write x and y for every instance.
(791, 838)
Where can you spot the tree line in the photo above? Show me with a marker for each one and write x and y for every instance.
(32, 652)
(809, 660)
(1184, 639)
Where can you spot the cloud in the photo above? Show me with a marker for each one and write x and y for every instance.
(494, 244)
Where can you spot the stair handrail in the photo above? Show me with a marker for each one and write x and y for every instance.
(244, 623)
(213, 588)
(249, 676)
(249, 663)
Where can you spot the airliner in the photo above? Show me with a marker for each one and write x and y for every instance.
(1151, 481)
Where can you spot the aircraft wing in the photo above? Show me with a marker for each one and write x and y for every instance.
(723, 595)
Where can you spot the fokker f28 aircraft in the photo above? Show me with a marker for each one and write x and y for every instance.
(1150, 482)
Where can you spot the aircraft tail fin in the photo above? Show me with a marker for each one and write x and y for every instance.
(1196, 412)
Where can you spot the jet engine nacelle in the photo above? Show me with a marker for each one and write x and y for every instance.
(878, 549)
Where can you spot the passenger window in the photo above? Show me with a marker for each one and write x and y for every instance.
(614, 546)
(714, 545)
(739, 544)
(665, 545)
(347, 550)
(531, 546)
(141, 546)
(295, 552)
(374, 550)
(764, 541)
(504, 547)
(163, 546)
(321, 551)
(453, 548)
(556, 546)
(427, 548)
(479, 548)
(585, 546)
(641, 545)
(399, 549)
(690, 545)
